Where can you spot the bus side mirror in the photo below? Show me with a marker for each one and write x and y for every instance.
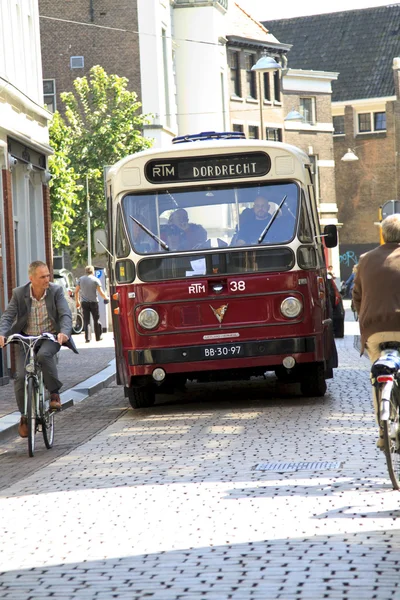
(100, 241)
(330, 236)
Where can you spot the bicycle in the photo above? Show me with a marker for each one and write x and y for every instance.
(385, 377)
(77, 327)
(36, 404)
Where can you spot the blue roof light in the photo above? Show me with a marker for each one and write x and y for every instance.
(209, 135)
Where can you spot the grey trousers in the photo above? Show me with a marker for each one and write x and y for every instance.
(46, 357)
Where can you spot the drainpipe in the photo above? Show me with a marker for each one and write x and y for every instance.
(91, 11)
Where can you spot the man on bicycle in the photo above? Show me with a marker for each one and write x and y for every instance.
(376, 294)
(35, 308)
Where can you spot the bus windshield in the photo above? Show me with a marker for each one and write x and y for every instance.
(185, 219)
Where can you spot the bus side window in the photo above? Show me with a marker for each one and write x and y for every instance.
(121, 243)
(305, 229)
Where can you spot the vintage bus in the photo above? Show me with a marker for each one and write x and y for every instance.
(217, 266)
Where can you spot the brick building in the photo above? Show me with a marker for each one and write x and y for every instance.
(78, 34)
(363, 46)
(309, 94)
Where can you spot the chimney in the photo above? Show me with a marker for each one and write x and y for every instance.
(396, 75)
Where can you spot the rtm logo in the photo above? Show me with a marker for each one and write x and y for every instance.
(166, 170)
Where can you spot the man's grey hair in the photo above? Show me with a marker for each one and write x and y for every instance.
(391, 229)
(89, 270)
(35, 265)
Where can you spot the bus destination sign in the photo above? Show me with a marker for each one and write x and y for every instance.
(206, 168)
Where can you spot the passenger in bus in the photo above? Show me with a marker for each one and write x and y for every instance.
(195, 236)
(254, 221)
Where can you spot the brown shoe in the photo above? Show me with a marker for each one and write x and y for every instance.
(23, 427)
(55, 402)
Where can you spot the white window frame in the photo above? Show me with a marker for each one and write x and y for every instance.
(372, 121)
(71, 61)
(53, 95)
(313, 117)
(342, 133)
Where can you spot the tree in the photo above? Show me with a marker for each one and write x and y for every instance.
(101, 126)
(64, 187)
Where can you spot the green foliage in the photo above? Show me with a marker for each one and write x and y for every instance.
(64, 187)
(101, 126)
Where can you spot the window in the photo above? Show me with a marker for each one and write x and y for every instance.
(77, 62)
(371, 121)
(267, 87)
(307, 110)
(253, 132)
(379, 121)
(364, 122)
(234, 66)
(273, 134)
(250, 75)
(237, 128)
(338, 125)
(277, 86)
(49, 94)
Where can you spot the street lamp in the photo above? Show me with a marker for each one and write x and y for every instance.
(265, 64)
(294, 115)
(349, 156)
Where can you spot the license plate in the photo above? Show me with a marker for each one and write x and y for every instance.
(225, 351)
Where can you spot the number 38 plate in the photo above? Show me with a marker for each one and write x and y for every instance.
(225, 351)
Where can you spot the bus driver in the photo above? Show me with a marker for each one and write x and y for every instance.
(254, 221)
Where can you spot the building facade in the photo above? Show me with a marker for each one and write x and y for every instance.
(365, 111)
(194, 61)
(78, 34)
(309, 94)
(25, 223)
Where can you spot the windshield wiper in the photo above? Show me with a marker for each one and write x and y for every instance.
(150, 233)
(264, 233)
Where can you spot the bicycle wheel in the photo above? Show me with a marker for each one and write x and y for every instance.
(391, 438)
(46, 417)
(31, 414)
(78, 326)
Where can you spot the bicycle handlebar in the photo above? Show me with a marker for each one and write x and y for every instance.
(18, 337)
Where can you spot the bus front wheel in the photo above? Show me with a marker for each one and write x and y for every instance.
(313, 383)
(140, 397)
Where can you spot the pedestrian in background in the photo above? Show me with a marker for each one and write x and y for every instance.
(86, 297)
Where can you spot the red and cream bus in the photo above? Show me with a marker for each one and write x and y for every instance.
(217, 266)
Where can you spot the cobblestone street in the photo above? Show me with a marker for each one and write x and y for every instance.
(165, 503)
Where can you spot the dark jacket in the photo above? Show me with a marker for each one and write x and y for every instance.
(376, 292)
(15, 317)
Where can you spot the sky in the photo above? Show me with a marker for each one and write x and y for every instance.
(267, 10)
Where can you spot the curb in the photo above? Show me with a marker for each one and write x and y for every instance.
(76, 394)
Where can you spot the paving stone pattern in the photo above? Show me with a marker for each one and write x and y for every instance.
(165, 504)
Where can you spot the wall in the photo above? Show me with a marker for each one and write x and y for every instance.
(201, 98)
(363, 186)
(157, 69)
(116, 48)
(350, 255)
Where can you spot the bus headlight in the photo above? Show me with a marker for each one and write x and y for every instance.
(148, 318)
(291, 307)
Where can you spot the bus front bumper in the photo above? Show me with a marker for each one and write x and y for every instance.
(237, 350)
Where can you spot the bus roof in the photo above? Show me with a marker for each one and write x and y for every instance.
(203, 147)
